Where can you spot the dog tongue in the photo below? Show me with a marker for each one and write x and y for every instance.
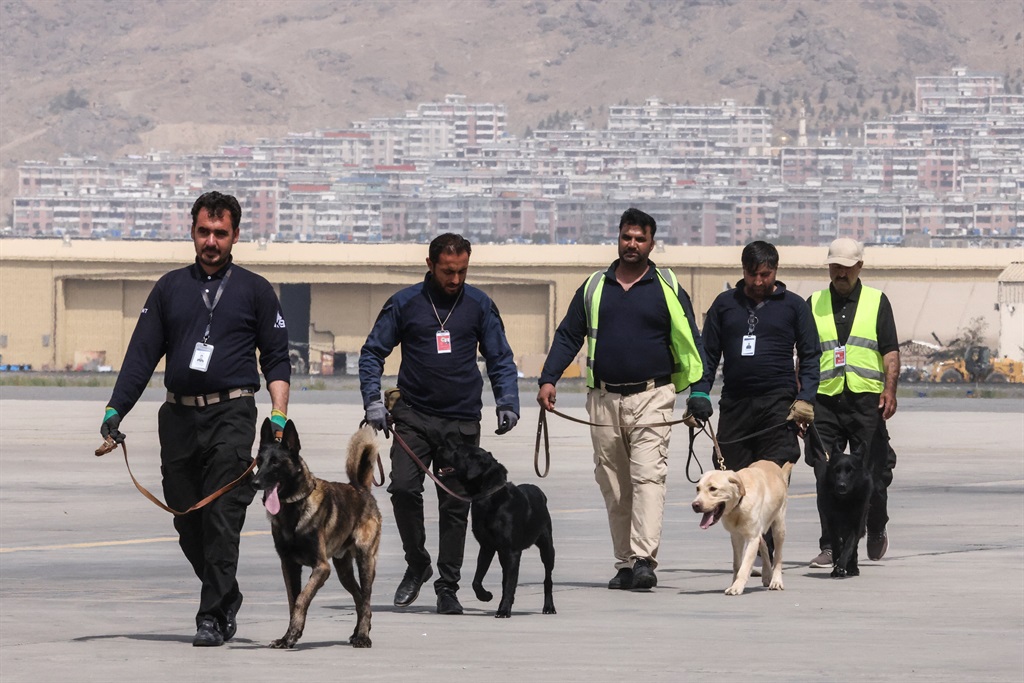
(707, 520)
(271, 501)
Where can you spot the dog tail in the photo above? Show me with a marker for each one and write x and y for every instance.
(787, 472)
(362, 456)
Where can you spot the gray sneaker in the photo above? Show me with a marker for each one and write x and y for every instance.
(823, 560)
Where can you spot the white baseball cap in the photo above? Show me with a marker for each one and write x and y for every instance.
(845, 252)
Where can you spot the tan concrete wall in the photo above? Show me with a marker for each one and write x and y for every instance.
(72, 293)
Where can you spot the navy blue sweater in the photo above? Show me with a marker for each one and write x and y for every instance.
(783, 323)
(247, 317)
(447, 385)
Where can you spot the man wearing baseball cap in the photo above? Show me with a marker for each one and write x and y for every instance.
(860, 366)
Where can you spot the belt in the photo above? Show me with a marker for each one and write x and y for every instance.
(208, 399)
(636, 387)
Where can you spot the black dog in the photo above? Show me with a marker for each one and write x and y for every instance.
(315, 521)
(507, 519)
(844, 496)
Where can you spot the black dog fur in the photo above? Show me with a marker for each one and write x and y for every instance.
(315, 522)
(507, 519)
(844, 496)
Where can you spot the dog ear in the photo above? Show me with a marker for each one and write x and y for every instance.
(267, 431)
(290, 437)
(735, 480)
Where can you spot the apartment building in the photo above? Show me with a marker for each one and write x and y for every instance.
(708, 173)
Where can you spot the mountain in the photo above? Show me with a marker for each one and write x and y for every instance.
(110, 77)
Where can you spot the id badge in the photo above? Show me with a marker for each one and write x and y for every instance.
(839, 356)
(201, 357)
(749, 342)
(444, 341)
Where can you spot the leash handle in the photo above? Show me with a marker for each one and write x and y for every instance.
(203, 503)
(542, 428)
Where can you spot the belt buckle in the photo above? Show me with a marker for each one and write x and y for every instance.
(200, 401)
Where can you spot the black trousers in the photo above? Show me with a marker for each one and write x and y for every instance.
(739, 418)
(426, 435)
(201, 450)
(854, 420)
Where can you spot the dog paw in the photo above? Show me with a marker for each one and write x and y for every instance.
(282, 644)
(502, 614)
(734, 590)
(853, 571)
(838, 573)
(483, 595)
(775, 586)
(549, 609)
(360, 641)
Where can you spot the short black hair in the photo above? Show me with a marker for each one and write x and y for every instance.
(756, 253)
(216, 204)
(448, 243)
(633, 216)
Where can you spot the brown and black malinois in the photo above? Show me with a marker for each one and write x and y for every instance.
(314, 521)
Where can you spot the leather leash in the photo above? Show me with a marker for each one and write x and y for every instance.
(109, 445)
(405, 447)
(542, 431)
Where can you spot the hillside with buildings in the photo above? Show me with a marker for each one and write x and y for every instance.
(793, 120)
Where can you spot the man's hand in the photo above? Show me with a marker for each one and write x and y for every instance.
(507, 419)
(698, 410)
(887, 404)
(802, 412)
(108, 430)
(546, 396)
(378, 417)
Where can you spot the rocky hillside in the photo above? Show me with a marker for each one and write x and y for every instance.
(109, 77)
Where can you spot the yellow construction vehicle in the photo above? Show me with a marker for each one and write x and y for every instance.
(978, 365)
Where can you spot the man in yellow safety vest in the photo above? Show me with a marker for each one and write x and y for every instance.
(860, 365)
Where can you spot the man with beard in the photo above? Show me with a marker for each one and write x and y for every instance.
(649, 351)
(860, 366)
(208, 319)
(754, 329)
(440, 324)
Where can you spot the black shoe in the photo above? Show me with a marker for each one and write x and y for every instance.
(447, 603)
(643, 574)
(409, 588)
(208, 634)
(623, 580)
(231, 622)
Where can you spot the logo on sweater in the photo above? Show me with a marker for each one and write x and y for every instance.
(280, 321)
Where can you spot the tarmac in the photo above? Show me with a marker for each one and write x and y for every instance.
(94, 588)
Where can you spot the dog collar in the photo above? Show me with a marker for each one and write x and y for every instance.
(489, 493)
(303, 495)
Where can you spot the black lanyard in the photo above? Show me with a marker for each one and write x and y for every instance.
(216, 300)
(752, 316)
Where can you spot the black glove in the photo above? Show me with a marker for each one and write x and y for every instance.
(378, 417)
(699, 407)
(109, 427)
(507, 419)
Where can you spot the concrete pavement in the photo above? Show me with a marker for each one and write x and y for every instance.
(94, 588)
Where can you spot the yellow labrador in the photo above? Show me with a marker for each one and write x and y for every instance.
(749, 503)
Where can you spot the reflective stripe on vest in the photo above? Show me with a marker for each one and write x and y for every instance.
(687, 365)
(864, 372)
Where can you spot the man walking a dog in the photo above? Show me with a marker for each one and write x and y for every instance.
(441, 324)
(648, 350)
(753, 330)
(208, 319)
(860, 367)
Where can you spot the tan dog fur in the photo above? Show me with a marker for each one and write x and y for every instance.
(749, 502)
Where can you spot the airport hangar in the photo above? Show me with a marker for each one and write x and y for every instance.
(66, 303)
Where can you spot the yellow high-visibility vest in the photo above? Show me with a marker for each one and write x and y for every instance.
(687, 366)
(864, 371)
